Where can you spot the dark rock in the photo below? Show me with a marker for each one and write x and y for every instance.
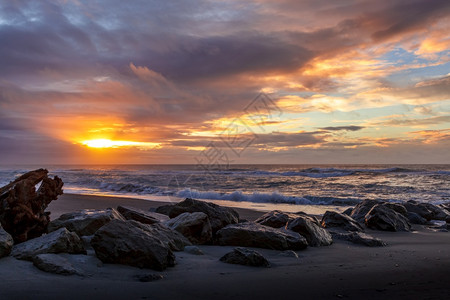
(6, 243)
(86, 221)
(309, 228)
(333, 219)
(246, 257)
(359, 238)
(348, 211)
(414, 218)
(146, 217)
(54, 263)
(22, 207)
(397, 207)
(275, 219)
(437, 212)
(171, 238)
(59, 241)
(421, 210)
(193, 250)
(194, 226)
(149, 277)
(260, 236)
(219, 216)
(361, 209)
(382, 217)
(125, 242)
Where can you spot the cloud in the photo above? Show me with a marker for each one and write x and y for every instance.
(344, 128)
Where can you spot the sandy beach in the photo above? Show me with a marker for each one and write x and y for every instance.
(414, 265)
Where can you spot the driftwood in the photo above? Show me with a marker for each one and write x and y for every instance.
(23, 203)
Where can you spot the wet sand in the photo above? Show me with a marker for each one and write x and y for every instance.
(414, 265)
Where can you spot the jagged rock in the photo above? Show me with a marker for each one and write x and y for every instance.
(194, 226)
(348, 211)
(59, 241)
(382, 217)
(22, 207)
(219, 216)
(193, 250)
(173, 239)
(359, 238)
(437, 212)
(6, 243)
(427, 211)
(334, 220)
(275, 219)
(246, 257)
(397, 207)
(126, 242)
(260, 236)
(311, 230)
(361, 209)
(54, 263)
(146, 217)
(86, 221)
(414, 218)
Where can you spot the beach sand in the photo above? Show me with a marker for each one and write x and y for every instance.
(414, 265)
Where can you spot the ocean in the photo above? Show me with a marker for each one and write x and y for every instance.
(263, 187)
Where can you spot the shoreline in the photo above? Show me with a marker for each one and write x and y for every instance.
(414, 265)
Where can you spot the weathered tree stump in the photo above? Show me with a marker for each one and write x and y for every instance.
(23, 203)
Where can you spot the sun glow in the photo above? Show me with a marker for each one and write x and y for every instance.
(106, 143)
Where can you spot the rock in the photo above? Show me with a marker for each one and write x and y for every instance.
(260, 236)
(275, 219)
(194, 226)
(246, 257)
(333, 219)
(359, 238)
(288, 253)
(348, 211)
(6, 243)
(397, 207)
(54, 263)
(362, 208)
(125, 242)
(59, 241)
(149, 277)
(414, 218)
(22, 207)
(219, 216)
(437, 213)
(381, 217)
(421, 210)
(307, 227)
(171, 238)
(193, 250)
(447, 219)
(146, 217)
(86, 221)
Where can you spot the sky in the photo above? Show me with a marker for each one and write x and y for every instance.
(223, 82)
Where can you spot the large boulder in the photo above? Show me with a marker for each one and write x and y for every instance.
(125, 242)
(332, 219)
(171, 238)
(146, 217)
(359, 238)
(194, 226)
(219, 216)
(361, 209)
(22, 206)
(59, 241)
(260, 236)
(275, 219)
(6, 243)
(381, 217)
(54, 263)
(414, 218)
(86, 221)
(397, 207)
(427, 211)
(309, 228)
(246, 257)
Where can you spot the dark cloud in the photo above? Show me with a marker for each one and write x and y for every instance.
(346, 128)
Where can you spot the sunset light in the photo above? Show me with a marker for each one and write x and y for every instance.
(105, 143)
